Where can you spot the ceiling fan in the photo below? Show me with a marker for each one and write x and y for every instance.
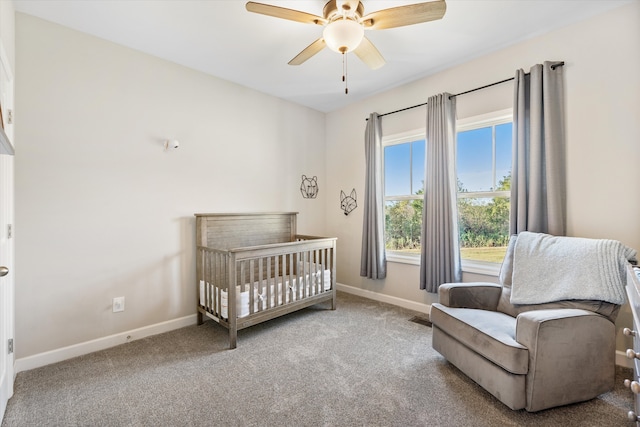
(344, 23)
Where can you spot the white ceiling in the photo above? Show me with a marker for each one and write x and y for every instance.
(221, 38)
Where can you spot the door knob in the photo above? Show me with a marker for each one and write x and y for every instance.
(4, 271)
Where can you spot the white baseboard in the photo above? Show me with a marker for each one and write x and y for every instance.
(64, 353)
(623, 360)
(401, 302)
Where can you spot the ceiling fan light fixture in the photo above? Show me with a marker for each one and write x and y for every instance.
(343, 35)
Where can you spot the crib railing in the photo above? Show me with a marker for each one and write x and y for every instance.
(244, 286)
(213, 280)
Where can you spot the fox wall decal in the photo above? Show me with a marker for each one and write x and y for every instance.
(348, 203)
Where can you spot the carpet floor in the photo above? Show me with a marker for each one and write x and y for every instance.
(364, 364)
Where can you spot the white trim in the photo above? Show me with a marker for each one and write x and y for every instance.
(64, 353)
(403, 259)
(401, 302)
(623, 360)
(468, 266)
(480, 267)
(483, 194)
(403, 137)
(484, 120)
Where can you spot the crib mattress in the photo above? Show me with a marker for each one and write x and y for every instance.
(289, 291)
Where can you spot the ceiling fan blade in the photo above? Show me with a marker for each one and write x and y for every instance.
(308, 52)
(284, 13)
(369, 54)
(405, 15)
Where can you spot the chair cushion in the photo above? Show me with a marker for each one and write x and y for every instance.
(606, 309)
(489, 333)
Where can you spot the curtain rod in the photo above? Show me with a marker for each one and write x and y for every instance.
(553, 67)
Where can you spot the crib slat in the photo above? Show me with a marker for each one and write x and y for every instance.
(323, 261)
(305, 276)
(284, 267)
(209, 283)
(219, 281)
(222, 284)
(252, 281)
(211, 293)
(277, 297)
(316, 270)
(276, 280)
(241, 282)
(259, 281)
(206, 276)
(291, 276)
(267, 303)
(231, 301)
(300, 281)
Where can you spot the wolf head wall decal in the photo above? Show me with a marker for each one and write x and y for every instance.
(309, 187)
(348, 203)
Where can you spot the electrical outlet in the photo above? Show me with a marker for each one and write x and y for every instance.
(118, 304)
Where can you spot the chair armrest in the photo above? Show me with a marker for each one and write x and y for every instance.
(571, 355)
(479, 295)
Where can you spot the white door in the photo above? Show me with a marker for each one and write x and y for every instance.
(6, 281)
(6, 235)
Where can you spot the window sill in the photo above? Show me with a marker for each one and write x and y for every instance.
(481, 267)
(476, 267)
(403, 259)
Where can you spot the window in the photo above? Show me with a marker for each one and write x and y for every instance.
(403, 192)
(483, 163)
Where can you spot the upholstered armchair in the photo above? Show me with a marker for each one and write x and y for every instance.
(532, 356)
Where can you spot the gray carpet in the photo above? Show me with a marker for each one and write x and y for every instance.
(364, 364)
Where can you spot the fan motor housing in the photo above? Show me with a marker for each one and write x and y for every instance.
(330, 10)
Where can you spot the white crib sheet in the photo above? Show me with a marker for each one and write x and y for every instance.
(260, 294)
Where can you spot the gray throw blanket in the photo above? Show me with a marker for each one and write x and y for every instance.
(550, 268)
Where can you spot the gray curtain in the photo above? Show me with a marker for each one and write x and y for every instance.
(538, 182)
(373, 261)
(440, 257)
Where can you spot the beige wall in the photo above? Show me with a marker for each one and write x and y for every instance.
(103, 211)
(603, 136)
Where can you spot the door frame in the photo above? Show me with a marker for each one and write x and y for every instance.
(7, 244)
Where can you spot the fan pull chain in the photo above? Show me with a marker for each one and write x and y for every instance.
(344, 72)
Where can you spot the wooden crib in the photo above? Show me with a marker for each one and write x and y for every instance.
(258, 261)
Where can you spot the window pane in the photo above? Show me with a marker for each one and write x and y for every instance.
(403, 222)
(475, 160)
(503, 156)
(417, 162)
(484, 228)
(397, 172)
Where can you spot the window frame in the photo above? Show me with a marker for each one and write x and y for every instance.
(476, 122)
(469, 123)
(397, 139)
